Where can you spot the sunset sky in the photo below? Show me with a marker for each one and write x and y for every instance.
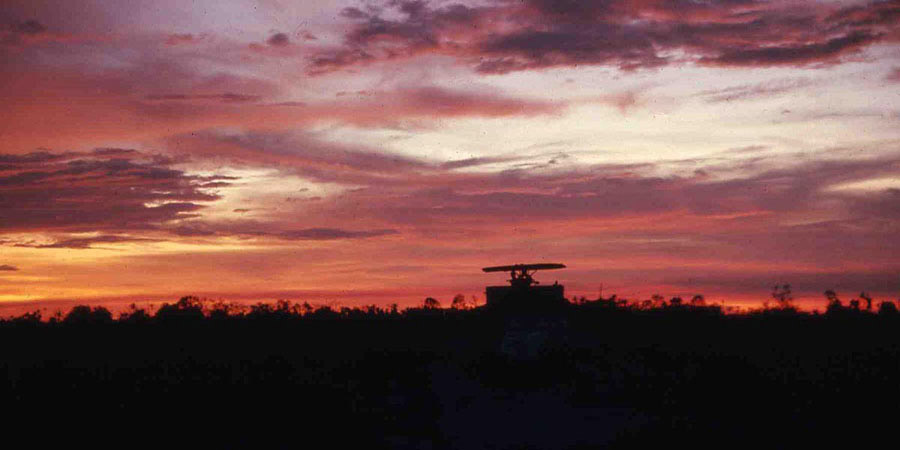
(384, 151)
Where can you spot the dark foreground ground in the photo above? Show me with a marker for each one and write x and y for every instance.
(587, 376)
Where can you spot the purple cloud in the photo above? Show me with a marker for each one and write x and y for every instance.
(504, 36)
(106, 190)
(279, 40)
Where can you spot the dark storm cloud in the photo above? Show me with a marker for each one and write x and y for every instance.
(504, 36)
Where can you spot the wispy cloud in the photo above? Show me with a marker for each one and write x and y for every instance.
(765, 89)
(84, 243)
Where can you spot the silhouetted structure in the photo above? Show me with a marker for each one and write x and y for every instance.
(524, 291)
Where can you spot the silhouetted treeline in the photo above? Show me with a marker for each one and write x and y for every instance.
(606, 373)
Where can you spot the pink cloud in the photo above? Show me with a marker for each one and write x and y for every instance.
(894, 75)
(160, 91)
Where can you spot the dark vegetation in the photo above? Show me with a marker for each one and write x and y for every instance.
(595, 374)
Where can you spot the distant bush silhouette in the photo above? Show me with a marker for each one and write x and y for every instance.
(186, 310)
(134, 315)
(887, 308)
(85, 315)
(30, 317)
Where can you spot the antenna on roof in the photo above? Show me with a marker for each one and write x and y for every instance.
(523, 294)
(521, 274)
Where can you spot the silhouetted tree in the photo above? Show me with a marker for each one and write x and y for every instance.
(134, 315)
(783, 295)
(31, 317)
(323, 312)
(431, 303)
(867, 298)
(675, 301)
(221, 310)
(84, 315)
(261, 310)
(698, 300)
(188, 308)
(887, 308)
(78, 314)
(101, 315)
(832, 297)
(459, 302)
(834, 303)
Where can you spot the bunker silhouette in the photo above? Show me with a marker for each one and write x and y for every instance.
(524, 292)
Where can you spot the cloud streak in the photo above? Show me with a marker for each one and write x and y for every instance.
(104, 190)
(327, 234)
(85, 243)
(766, 89)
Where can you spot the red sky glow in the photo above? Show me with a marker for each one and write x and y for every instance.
(381, 151)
